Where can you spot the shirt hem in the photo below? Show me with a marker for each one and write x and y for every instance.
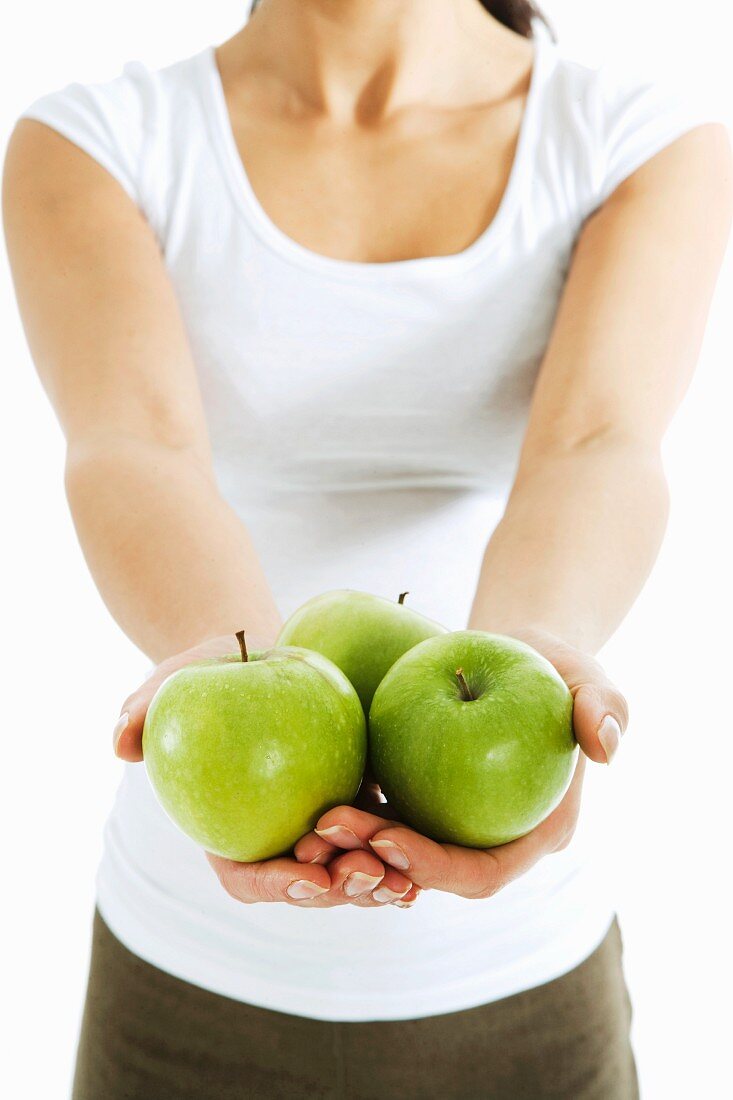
(165, 954)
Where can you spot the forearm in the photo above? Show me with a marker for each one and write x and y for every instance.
(579, 536)
(171, 560)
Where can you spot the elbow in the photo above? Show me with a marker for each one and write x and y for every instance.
(102, 463)
(607, 455)
(604, 441)
(88, 467)
(640, 455)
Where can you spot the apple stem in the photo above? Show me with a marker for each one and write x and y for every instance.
(402, 595)
(465, 692)
(242, 645)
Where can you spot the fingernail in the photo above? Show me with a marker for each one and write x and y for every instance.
(404, 904)
(609, 734)
(391, 853)
(358, 883)
(322, 857)
(302, 888)
(339, 834)
(384, 894)
(120, 727)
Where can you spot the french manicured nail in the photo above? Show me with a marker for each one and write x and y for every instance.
(302, 889)
(339, 834)
(404, 904)
(359, 883)
(391, 853)
(385, 895)
(322, 857)
(609, 734)
(120, 727)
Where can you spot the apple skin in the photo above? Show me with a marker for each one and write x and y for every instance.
(476, 772)
(362, 634)
(244, 757)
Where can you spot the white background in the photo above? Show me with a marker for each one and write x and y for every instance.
(67, 665)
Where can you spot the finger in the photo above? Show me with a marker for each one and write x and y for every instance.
(355, 875)
(366, 881)
(476, 872)
(349, 827)
(394, 887)
(314, 847)
(311, 848)
(408, 900)
(468, 872)
(343, 828)
(280, 879)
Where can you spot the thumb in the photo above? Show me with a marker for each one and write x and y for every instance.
(600, 718)
(127, 735)
(600, 712)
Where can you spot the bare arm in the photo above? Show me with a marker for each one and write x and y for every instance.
(171, 559)
(588, 508)
(587, 511)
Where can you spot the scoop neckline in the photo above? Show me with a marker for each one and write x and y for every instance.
(250, 207)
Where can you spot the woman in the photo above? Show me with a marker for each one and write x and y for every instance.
(384, 295)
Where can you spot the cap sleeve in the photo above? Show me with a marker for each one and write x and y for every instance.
(635, 118)
(112, 122)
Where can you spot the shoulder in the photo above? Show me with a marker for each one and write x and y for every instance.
(593, 100)
(134, 93)
(126, 124)
(601, 124)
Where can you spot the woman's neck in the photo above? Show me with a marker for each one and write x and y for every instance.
(367, 59)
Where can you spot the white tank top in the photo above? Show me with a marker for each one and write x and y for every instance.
(366, 421)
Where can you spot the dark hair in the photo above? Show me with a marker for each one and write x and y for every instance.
(515, 14)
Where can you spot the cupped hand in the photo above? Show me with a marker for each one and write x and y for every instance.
(322, 874)
(356, 878)
(350, 878)
(599, 718)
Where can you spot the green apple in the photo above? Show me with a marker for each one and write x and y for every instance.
(246, 753)
(362, 634)
(471, 738)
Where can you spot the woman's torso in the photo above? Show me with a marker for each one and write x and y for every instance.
(365, 421)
